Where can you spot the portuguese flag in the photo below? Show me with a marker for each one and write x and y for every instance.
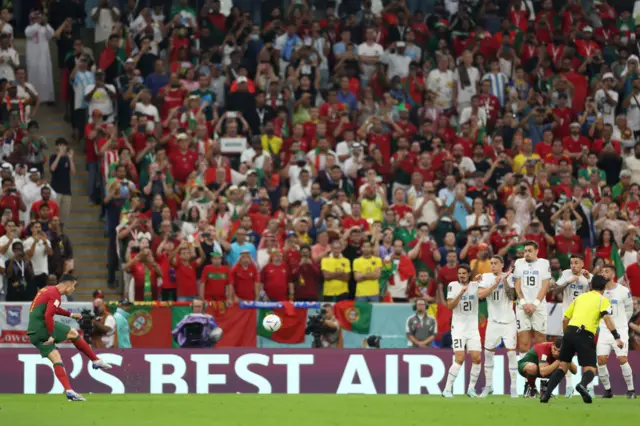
(354, 316)
(149, 325)
(238, 324)
(483, 314)
(294, 322)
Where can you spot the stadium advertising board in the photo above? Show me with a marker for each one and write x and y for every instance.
(288, 371)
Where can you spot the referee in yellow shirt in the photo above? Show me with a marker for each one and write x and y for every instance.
(580, 326)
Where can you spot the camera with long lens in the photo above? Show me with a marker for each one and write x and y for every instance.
(86, 324)
(316, 328)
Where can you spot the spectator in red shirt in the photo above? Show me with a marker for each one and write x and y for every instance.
(448, 273)
(184, 160)
(633, 277)
(275, 279)
(12, 199)
(214, 282)
(145, 273)
(186, 270)
(307, 277)
(568, 243)
(400, 208)
(576, 144)
(244, 278)
(54, 209)
(355, 219)
(536, 232)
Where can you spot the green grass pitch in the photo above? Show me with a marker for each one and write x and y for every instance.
(307, 410)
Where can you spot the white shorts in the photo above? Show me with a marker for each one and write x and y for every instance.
(468, 340)
(497, 332)
(606, 344)
(536, 322)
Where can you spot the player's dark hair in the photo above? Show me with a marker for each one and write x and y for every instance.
(498, 257)
(598, 282)
(531, 243)
(466, 268)
(609, 266)
(67, 278)
(558, 342)
(577, 256)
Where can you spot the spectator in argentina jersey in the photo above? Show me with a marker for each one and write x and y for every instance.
(540, 361)
(214, 282)
(532, 277)
(622, 307)
(462, 299)
(499, 292)
(571, 284)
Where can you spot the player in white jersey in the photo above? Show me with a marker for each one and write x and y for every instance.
(622, 307)
(501, 327)
(532, 278)
(572, 283)
(462, 299)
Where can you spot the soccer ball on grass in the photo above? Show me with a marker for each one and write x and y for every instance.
(271, 322)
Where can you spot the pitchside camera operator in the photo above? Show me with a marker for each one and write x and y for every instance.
(324, 328)
(198, 329)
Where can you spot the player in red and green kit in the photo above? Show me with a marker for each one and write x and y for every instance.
(44, 332)
(541, 361)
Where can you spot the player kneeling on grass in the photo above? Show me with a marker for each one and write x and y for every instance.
(541, 361)
(495, 288)
(462, 299)
(44, 332)
(622, 309)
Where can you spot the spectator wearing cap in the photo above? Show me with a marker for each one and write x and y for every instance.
(396, 60)
(606, 99)
(121, 317)
(100, 96)
(575, 144)
(244, 278)
(62, 167)
(620, 190)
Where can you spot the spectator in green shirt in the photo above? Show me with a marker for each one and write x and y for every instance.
(621, 189)
(584, 174)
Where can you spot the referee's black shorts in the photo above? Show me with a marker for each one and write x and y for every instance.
(581, 342)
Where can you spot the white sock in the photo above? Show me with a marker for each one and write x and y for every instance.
(473, 375)
(569, 379)
(488, 368)
(628, 375)
(451, 377)
(603, 375)
(513, 369)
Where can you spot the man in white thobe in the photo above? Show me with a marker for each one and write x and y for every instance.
(39, 68)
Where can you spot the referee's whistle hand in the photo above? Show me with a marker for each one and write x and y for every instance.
(620, 343)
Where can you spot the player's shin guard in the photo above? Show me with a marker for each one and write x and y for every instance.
(473, 375)
(84, 347)
(603, 374)
(488, 368)
(587, 377)
(555, 379)
(513, 369)
(61, 374)
(627, 373)
(451, 377)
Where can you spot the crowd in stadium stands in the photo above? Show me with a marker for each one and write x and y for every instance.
(358, 150)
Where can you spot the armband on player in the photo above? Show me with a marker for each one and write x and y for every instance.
(536, 303)
(615, 334)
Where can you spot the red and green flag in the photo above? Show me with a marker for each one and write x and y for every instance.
(616, 260)
(149, 325)
(238, 325)
(354, 316)
(293, 324)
